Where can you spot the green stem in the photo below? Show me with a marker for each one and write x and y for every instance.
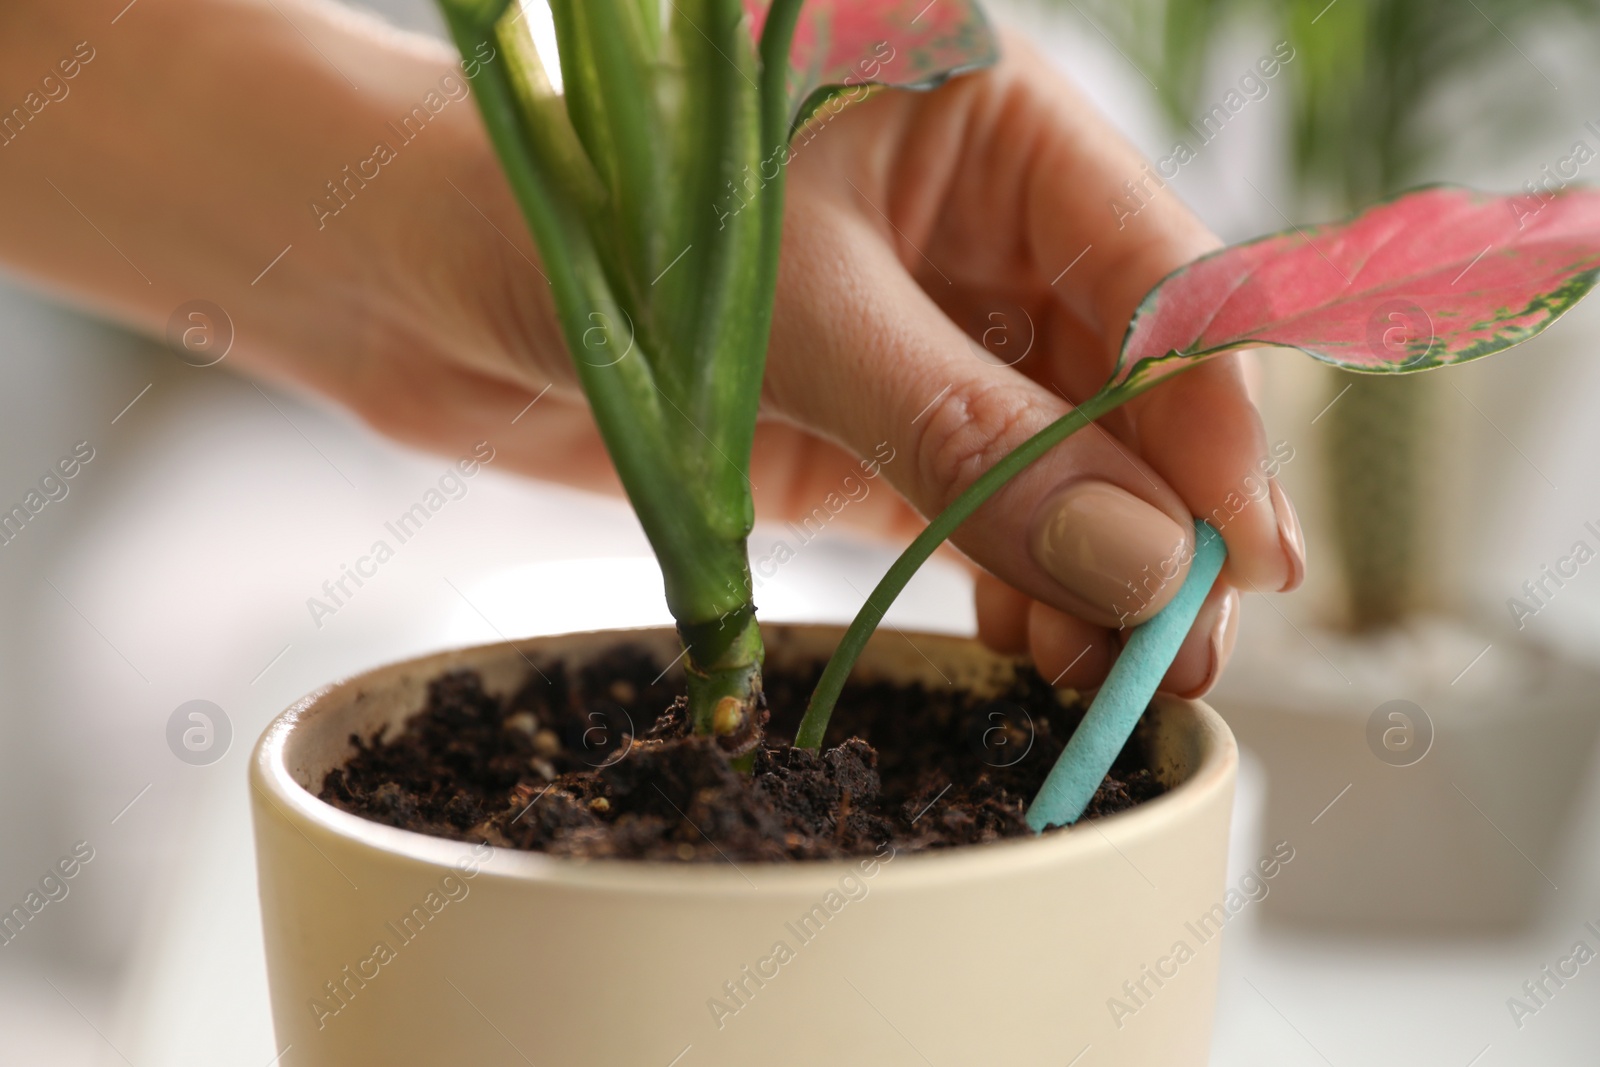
(777, 37)
(815, 723)
(724, 662)
(622, 395)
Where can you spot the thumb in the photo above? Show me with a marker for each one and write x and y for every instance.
(862, 356)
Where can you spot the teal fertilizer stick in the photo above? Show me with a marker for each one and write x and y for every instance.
(1134, 677)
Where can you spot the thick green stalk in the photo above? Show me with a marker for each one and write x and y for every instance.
(622, 394)
(725, 655)
(706, 569)
(724, 665)
(815, 723)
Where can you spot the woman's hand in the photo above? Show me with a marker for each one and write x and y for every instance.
(920, 223)
(207, 137)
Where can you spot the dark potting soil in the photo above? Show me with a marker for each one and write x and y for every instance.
(560, 768)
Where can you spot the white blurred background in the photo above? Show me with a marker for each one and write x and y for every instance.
(178, 567)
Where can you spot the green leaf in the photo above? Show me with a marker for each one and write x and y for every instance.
(608, 66)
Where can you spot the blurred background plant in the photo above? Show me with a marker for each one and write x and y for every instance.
(1364, 84)
(1421, 491)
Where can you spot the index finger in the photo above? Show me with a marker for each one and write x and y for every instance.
(1103, 227)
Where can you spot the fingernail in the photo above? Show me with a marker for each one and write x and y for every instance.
(1289, 536)
(1104, 544)
(1224, 632)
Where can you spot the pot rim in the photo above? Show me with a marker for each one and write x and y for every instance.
(272, 781)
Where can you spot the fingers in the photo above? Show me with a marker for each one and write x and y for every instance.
(1203, 434)
(1067, 651)
(1101, 230)
(1070, 652)
(1206, 648)
(862, 356)
(1091, 194)
(1002, 615)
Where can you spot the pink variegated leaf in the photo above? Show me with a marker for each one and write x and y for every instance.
(910, 44)
(1432, 277)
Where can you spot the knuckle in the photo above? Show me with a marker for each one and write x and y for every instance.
(392, 413)
(970, 429)
(391, 402)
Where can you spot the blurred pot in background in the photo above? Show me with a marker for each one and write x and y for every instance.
(1437, 754)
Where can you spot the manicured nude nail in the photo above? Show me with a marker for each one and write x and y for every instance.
(1112, 549)
(1289, 536)
(1224, 632)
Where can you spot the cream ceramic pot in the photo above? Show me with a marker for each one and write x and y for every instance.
(391, 948)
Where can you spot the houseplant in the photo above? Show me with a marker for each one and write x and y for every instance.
(389, 945)
(1366, 86)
